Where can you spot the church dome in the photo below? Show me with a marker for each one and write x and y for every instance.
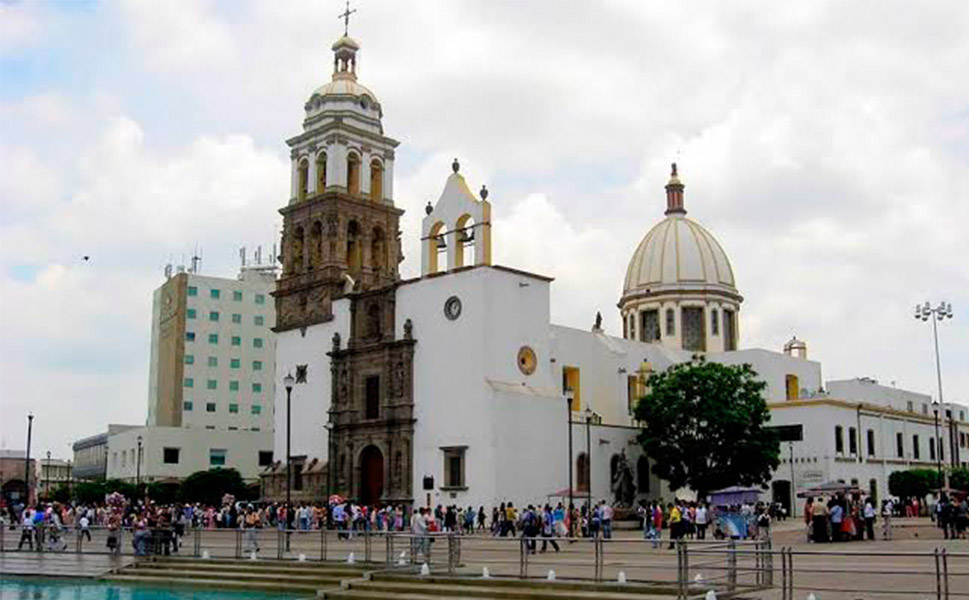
(343, 95)
(678, 254)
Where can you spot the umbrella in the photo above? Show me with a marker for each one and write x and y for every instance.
(336, 499)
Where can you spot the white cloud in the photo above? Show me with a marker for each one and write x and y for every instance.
(823, 143)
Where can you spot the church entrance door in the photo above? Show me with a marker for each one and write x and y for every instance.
(371, 475)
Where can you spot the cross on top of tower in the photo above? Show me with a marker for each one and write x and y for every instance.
(346, 18)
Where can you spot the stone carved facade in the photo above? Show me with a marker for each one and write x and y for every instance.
(326, 238)
(372, 406)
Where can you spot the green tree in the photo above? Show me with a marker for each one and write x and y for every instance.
(163, 492)
(89, 492)
(705, 427)
(913, 483)
(959, 479)
(208, 487)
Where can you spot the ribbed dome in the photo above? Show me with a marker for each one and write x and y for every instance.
(343, 87)
(679, 254)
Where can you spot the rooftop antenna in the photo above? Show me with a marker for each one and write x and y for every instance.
(168, 270)
(274, 256)
(259, 255)
(242, 256)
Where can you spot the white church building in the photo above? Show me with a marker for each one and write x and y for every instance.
(455, 387)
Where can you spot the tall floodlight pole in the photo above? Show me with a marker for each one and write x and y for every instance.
(47, 478)
(926, 312)
(138, 467)
(937, 442)
(30, 430)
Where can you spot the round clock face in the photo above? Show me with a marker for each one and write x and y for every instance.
(452, 308)
(527, 360)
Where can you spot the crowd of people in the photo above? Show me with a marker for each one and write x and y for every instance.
(160, 528)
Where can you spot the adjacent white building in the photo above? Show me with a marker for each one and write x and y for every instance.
(212, 380)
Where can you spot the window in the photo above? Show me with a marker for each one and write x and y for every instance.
(217, 457)
(729, 331)
(210, 407)
(931, 449)
(214, 294)
(237, 296)
(189, 359)
(211, 384)
(187, 406)
(233, 428)
(257, 388)
(234, 363)
(260, 299)
(236, 340)
(670, 322)
(353, 174)
(376, 181)
(839, 442)
(233, 386)
(257, 342)
(193, 291)
(213, 315)
(210, 426)
(256, 409)
(852, 441)
(916, 447)
(871, 442)
(693, 332)
(649, 331)
(253, 429)
(714, 321)
(571, 385)
(899, 445)
(909, 406)
(634, 391)
(236, 318)
(189, 336)
(170, 456)
(372, 398)
(454, 467)
(213, 361)
(265, 458)
(213, 338)
(962, 440)
(582, 473)
(257, 365)
(191, 313)
(259, 320)
(188, 382)
(233, 409)
(792, 385)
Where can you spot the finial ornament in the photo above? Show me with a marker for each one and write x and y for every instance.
(674, 193)
(428, 209)
(484, 193)
(346, 18)
(673, 170)
(455, 166)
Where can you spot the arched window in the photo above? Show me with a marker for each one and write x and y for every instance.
(316, 245)
(376, 181)
(642, 475)
(353, 247)
(791, 383)
(353, 174)
(297, 250)
(714, 322)
(582, 473)
(670, 321)
(303, 185)
(437, 249)
(320, 172)
(465, 255)
(839, 439)
(378, 251)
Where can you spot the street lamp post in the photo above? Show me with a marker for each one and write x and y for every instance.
(288, 382)
(47, 478)
(30, 429)
(589, 415)
(138, 468)
(568, 411)
(926, 312)
(330, 461)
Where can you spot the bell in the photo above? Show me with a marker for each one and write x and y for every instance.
(467, 235)
(441, 244)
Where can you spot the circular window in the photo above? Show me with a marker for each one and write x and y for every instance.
(527, 360)
(452, 308)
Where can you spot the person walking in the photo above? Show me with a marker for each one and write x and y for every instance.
(548, 529)
(702, 521)
(887, 509)
(27, 529)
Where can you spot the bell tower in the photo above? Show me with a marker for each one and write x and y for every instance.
(340, 226)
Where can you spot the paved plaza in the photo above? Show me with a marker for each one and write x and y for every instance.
(904, 567)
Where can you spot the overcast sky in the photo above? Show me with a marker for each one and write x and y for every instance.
(825, 144)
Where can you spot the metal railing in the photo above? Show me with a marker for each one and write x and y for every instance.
(687, 569)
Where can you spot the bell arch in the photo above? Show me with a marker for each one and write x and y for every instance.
(378, 251)
(436, 249)
(296, 261)
(353, 174)
(316, 245)
(303, 179)
(464, 251)
(376, 180)
(354, 248)
(320, 172)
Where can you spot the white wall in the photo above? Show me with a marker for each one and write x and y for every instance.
(242, 452)
(310, 400)
(773, 367)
